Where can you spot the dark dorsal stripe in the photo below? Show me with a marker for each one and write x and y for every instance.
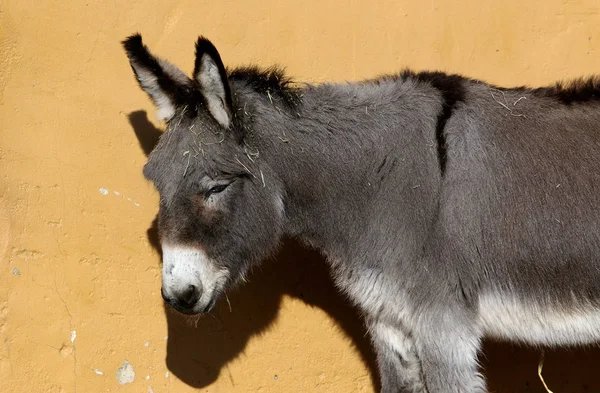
(452, 90)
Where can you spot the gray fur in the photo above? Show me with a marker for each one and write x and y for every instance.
(504, 241)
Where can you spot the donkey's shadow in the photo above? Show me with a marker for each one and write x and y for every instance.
(198, 351)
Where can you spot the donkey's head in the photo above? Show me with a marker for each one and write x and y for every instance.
(221, 209)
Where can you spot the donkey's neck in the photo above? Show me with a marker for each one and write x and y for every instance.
(351, 158)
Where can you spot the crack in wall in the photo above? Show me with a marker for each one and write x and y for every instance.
(73, 334)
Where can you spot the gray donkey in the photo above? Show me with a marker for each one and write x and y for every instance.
(449, 209)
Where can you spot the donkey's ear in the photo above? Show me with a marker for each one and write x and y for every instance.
(210, 74)
(163, 82)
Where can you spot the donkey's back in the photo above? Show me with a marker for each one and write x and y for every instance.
(520, 209)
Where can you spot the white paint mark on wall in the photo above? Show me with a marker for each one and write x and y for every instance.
(147, 344)
(166, 338)
(125, 373)
(16, 272)
(98, 372)
(166, 374)
(147, 377)
(104, 191)
(150, 389)
(73, 335)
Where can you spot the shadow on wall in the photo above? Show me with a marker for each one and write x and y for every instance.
(197, 353)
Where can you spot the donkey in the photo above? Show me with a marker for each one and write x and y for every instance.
(449, 209)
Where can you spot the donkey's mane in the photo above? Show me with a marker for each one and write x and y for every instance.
(577, 90)
(271, 81)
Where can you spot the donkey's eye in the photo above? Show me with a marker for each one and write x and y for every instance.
(216, 190)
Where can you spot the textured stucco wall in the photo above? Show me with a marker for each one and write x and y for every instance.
(79, 277)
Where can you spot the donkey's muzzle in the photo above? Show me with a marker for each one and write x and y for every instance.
(183, 301)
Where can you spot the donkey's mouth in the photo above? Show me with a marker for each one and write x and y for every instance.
(194, 310)
(191, 309)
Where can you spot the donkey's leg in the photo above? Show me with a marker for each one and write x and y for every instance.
(447, 345)
(399, 367)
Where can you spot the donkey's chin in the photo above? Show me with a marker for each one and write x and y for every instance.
(210, 305)
(206, 306)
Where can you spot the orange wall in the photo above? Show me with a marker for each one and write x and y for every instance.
(79, 279)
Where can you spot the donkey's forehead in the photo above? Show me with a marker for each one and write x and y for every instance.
(191, 152)
(190, 128)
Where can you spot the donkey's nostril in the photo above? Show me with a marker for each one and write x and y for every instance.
(189, 297)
